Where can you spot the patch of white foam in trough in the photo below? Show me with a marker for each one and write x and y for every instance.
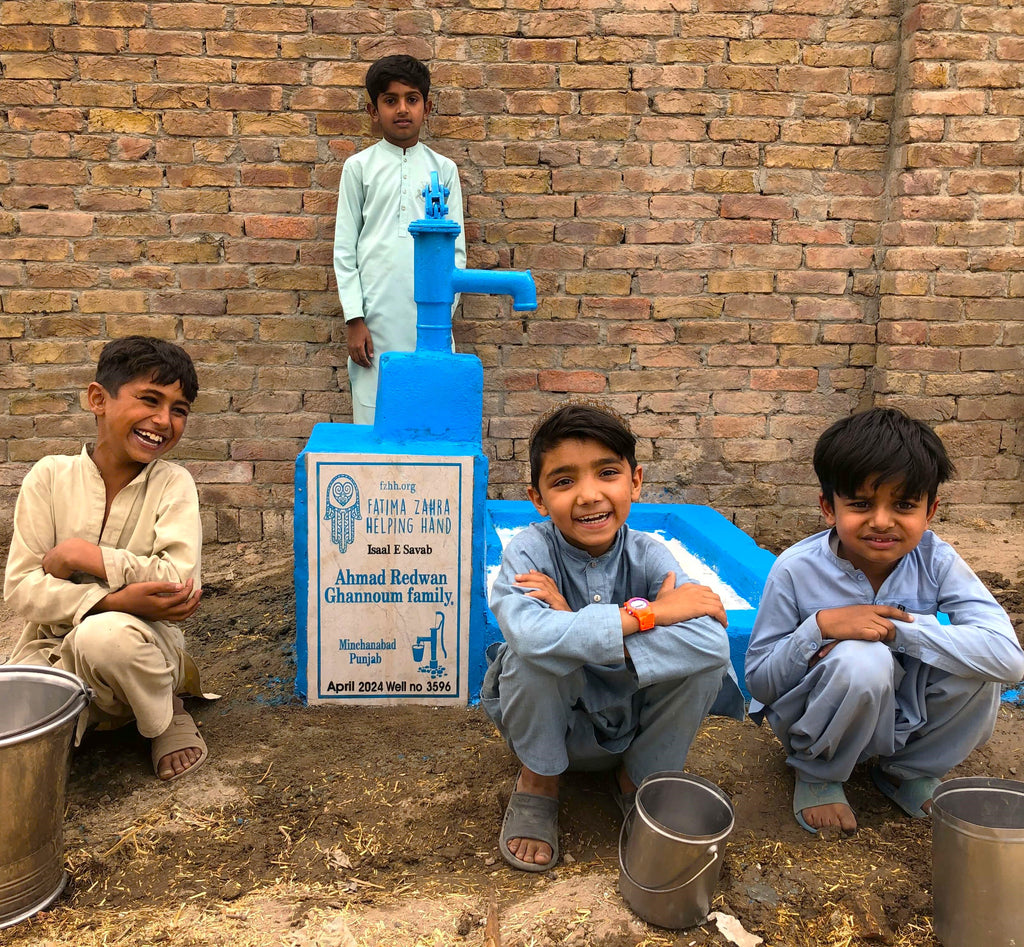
(694, 568)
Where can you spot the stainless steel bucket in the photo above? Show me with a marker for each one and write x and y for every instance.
(39, 707)
(978, 862)
(671, 847)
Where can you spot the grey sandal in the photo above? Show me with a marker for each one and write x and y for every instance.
(529, 816)
(910, 794)
(808, 794)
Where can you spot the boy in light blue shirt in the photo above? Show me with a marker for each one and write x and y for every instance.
(609, 661)
(847, 658)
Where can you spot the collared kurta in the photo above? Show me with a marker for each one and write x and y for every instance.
(152, 534)
(582, 653)
(380, 194)
(921, 702)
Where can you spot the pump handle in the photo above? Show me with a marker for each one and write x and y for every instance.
(435, 195)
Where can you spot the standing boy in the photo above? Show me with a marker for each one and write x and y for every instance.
(104, 561)
(381, 193)
(609, 661)
(847, 658)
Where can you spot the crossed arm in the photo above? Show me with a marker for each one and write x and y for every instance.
(857, 623)
(792, 632)
(671, 605)
(41, 584)
(154, 601)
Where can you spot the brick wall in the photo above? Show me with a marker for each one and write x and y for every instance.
(951, 321)
(745, 219)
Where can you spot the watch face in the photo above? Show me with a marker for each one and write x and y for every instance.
(641, 610)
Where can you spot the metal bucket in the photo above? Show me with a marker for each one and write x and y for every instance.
(978, 862)
(671, 847)
(39, 707)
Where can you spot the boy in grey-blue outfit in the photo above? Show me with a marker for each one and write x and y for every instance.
(609, 661)
(847, 658)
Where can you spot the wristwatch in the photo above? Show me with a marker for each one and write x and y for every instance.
(641, 610)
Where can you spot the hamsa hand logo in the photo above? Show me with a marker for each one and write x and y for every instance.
(342, 510)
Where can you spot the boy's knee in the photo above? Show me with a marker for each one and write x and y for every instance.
(865, 667)
(107, 639)
(517, 672)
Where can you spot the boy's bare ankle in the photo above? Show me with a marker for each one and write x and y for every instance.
(536, 784)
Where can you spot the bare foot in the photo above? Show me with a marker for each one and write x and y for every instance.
(174, 764)
(533, 851)
(834, 815)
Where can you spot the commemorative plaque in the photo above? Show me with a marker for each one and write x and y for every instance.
(390, 544)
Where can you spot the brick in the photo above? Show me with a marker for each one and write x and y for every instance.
(741, 281)
(38, 66)
(812, 282)
(42, 171)
(31, 248)
(788, 379)
(287, 228)
(23, 301)
(797, 156)
(193, 69)
(192, 124)
(166, 96)
(757, 450)
(24, 39)
(89, 40)
(731, 129)
(744, 307)
(50, 120)
(987, 128)
(756, 206)
(764, 51)
(755, 255)
(274, 176)
(50, 223)
(575, 381)
(732, 231)
(844, 258)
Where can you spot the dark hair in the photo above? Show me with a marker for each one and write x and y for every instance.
(576, 421)
(137, 356)
(885, 445)
(396, 68)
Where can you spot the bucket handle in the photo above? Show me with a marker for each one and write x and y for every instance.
(712, 850)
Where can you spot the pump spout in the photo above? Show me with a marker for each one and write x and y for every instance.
(437, 280)
(515, 283)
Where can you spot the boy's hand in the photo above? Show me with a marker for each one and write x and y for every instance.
(544, 588)
(674, 605)
(360, 343)
(860, 622)
(154, 601)
(74, 555)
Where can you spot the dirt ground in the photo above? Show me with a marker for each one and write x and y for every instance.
(353, 827)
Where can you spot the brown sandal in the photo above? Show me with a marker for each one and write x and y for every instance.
(182, 734)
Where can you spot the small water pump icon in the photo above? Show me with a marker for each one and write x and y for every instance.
(435, 638)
